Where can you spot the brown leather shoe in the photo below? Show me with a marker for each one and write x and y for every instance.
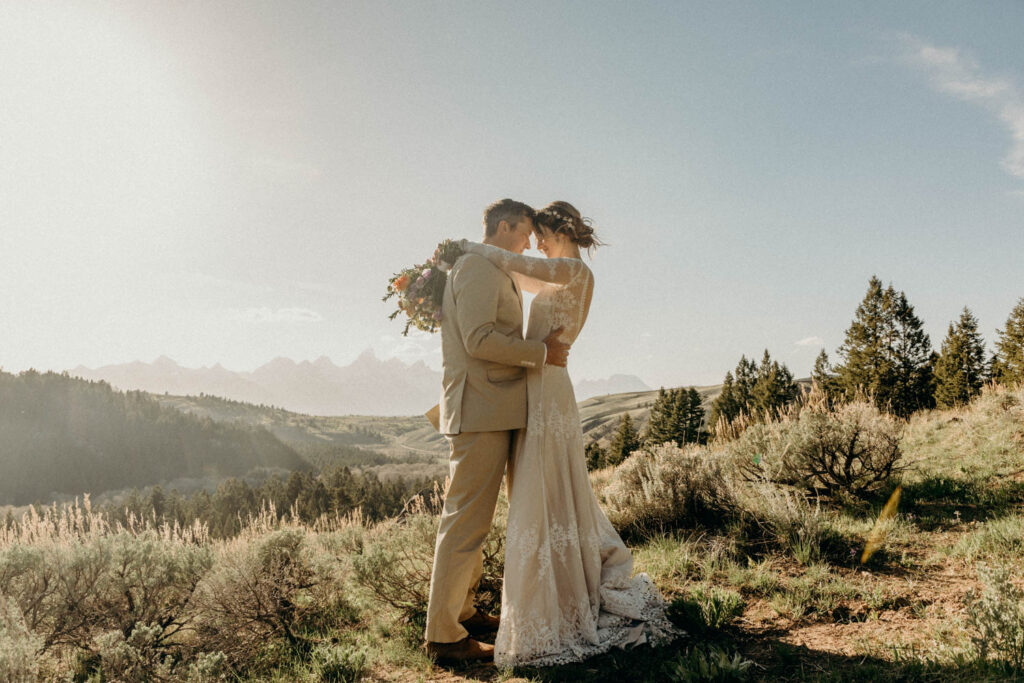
(463, 650)
(481, 624)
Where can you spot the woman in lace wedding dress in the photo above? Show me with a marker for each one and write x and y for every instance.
(568, 591)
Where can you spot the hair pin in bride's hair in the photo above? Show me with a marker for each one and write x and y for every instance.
(559, 216)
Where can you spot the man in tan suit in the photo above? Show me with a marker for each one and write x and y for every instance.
(483, 402)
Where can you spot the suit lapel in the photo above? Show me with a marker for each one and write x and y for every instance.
(515, 288)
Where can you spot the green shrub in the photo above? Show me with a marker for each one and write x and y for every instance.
(18, 645)
(150, 580)
(339, 663)
(206, 667)
(707, 664)
(996, 615)
(395, 564)
(786, 520)
(139, 657)
(669, 488)
(261, 594)
(55, 588)
(997, 537)
(705, 609)
(693, 487)
(397, 558)
(851, 449)
(74, 591)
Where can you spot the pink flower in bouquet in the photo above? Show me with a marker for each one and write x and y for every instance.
(420, 288)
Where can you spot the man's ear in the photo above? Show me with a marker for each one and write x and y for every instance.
(503, 226)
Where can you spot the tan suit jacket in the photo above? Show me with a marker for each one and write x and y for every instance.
(483, 351)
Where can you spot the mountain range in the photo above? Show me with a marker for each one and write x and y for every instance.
(367, 386)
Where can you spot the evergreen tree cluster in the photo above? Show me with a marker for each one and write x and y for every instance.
(755, 390)
(887, 355)
(625, 441)
(334, 491)
(677, 416)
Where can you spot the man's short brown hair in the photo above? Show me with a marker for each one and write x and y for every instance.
(505, 210)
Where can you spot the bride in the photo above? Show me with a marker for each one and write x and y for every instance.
(568, 591)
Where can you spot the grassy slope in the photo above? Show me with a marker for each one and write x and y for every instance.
(404, 435)
(599, 416)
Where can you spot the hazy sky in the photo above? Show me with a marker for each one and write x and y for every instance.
(234, 181)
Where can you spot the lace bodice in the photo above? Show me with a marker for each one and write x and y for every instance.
(564, 288)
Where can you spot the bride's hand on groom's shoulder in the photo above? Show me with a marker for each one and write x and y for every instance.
(448, 252)
(558, 352)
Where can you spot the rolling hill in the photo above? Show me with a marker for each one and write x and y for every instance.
(63, 435)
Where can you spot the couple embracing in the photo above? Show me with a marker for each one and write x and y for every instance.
(508, 406)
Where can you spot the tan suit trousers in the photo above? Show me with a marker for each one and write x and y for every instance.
(476, 468)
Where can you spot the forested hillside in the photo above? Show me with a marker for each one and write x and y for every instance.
(63, 435)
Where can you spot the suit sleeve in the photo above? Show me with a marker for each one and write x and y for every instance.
(475, 286)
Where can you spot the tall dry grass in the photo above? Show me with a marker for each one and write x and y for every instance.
(153, 601)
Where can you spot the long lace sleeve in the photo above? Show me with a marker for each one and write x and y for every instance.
(556, 271)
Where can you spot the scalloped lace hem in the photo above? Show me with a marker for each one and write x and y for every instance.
(613, 631)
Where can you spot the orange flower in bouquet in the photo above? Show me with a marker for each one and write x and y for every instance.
(420, 288)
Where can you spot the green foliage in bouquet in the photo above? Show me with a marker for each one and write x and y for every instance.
(420, 288)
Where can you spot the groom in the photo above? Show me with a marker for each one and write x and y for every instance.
(484, 400)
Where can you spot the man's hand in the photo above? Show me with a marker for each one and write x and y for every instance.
(558, 353)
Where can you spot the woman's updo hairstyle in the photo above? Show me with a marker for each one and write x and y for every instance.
(562, 218)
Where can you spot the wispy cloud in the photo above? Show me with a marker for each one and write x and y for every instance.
(269, 315)
(955, 72)
(811, 341)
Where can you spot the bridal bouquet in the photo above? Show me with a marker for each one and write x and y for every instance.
(420, 288)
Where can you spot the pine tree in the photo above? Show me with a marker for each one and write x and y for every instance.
(823, 377)
(677, 416)
(660, 428)
(746, 378)
(757, 390)
(887, 354)
(992, 368)
(865, 366)
(624, 442)
(960, 368)
(725, 406)
(1008, 366)
(680, 415)
(773, 389)
(595, 455)
(912, 359)
(694, 424)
